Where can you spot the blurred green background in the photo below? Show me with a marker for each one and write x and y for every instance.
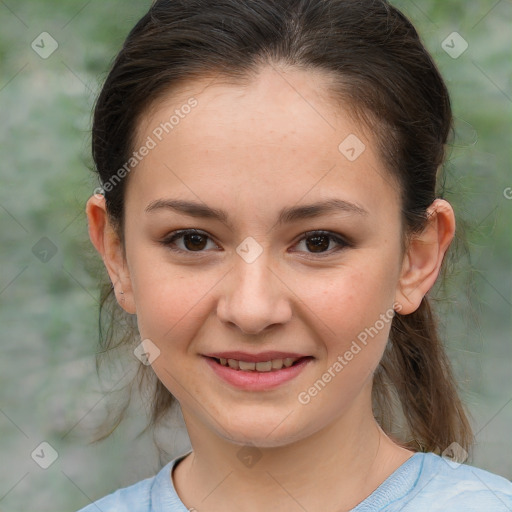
(49, 391)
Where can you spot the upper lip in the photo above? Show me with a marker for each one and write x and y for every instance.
(256, 358)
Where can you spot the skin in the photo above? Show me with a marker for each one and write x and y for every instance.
(253, 150)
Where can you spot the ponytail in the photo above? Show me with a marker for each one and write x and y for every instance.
(415, 380)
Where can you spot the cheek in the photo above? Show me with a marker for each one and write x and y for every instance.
(350, 298)
(171, 302)
(352, 318)
(354, 311)
(171, 310)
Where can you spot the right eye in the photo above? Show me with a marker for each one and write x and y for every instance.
(193, 241)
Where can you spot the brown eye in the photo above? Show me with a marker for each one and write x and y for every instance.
(193, 241)
(318, 242)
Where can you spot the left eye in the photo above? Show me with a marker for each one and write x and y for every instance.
(196, 241)
(317, 241)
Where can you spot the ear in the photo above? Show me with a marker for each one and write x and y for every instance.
(108, 244)
(424, 256)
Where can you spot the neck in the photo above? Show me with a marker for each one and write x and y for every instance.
(333, 469)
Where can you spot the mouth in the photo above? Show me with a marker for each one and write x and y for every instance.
(271, 365)
(262, 375)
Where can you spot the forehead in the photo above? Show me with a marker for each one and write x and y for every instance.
(277, 137)
(270, 105)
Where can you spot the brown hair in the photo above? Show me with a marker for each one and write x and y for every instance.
(384, 73)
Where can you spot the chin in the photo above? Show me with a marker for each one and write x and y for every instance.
(257, 440)
(271, 432)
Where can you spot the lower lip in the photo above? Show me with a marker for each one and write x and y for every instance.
(254, 380)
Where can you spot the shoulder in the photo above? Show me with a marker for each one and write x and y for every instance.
(443, 485)
(135, 498)
(154, 494)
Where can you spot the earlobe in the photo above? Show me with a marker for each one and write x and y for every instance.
(107, 243)
(424, 256)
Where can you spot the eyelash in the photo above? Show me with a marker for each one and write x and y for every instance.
(175, 235)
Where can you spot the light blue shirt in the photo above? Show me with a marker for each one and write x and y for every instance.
(424, 483)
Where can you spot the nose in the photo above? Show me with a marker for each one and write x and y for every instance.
(254, 298)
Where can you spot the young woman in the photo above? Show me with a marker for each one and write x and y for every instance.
(269, 217)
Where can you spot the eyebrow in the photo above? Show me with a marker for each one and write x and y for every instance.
(286, 215)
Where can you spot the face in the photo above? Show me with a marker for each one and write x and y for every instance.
(306, 282)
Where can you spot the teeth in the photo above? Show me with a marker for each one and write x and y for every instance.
(277, 364)
(243, 365)
(262, 366)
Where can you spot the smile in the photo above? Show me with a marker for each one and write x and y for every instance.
(262, 366)
(257, 375)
